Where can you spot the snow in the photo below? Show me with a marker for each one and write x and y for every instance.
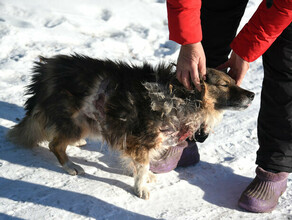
(32, 183)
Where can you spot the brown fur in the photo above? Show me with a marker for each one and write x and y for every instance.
(139, 111)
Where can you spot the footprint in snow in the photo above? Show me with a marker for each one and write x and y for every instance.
(139, 29)
(106, 14)
(166, 49)
(54, 23)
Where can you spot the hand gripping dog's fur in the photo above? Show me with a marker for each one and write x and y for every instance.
(140, 111)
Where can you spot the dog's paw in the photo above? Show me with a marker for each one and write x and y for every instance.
(72, 168)
(151, 177)
(142, 192)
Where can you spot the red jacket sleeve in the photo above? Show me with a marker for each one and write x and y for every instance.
(262, 29)
(184, 21)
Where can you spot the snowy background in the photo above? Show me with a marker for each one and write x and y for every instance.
(32, 183)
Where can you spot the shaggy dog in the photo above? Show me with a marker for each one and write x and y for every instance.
(140, 111)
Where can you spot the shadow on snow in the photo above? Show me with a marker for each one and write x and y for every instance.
(74, 202)
(221, 186)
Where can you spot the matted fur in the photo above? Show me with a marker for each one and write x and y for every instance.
(140, 111)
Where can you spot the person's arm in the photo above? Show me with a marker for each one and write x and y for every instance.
(184, 25)
(184, 21)
(257, 36)
(262, 29)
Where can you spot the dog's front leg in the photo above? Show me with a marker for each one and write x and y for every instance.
(141, 178)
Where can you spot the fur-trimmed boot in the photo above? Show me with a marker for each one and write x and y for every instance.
(264, 191)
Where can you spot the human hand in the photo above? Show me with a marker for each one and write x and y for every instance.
(191, 64)
(238, 67)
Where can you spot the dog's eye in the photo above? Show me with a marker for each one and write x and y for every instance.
(223, 85)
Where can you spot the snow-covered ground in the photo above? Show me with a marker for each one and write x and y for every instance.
(33, 185)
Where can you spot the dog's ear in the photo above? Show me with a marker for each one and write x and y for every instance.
(203, 87)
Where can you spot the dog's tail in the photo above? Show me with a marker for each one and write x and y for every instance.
(29, 132)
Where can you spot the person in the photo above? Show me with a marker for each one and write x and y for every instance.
(206, 31)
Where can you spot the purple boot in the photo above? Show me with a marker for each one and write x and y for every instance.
(184, 154)
(190, 155)
(263, 192)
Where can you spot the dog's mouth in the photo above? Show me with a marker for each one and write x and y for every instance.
(237, 105)
(245, 101)
(244, 104)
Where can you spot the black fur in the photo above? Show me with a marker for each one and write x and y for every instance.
(73, 78)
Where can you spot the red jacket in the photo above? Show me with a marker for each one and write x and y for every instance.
(252, 41)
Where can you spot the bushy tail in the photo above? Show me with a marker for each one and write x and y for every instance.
(29, 132)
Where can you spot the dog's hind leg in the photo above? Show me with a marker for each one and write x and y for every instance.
(141, 177)
(58, 146)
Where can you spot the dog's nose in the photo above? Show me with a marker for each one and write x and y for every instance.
(251, 95)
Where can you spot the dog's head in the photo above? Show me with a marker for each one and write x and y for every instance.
(221, 90)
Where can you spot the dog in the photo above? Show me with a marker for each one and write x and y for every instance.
(140, 111)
